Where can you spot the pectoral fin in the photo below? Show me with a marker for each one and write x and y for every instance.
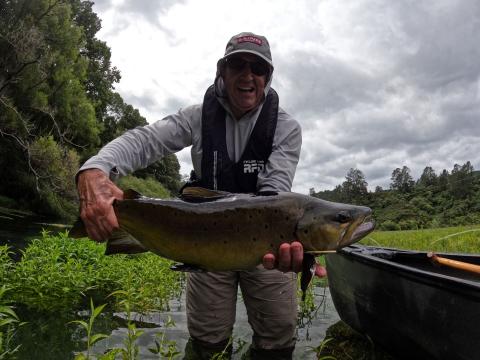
(122, 242)
(308, 271)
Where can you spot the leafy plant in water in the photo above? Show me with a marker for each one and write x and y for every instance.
(91, 338)
(165, 349)
(131, 350)
(57, 273)
(8, 323)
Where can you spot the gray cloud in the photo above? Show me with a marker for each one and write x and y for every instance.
(421, 109)
(401, 88)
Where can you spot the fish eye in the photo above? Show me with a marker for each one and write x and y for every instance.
(343, 217)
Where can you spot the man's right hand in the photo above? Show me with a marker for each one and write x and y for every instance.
(97, 193)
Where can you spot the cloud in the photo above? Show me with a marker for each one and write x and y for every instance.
(375, 85)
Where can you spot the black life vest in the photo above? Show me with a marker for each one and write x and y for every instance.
(218, 171)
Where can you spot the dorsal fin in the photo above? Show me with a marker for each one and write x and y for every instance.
(199, 194)
(131, 194)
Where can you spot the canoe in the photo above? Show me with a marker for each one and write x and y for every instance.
(409, 306)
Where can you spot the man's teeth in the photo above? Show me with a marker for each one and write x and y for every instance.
(245, 88)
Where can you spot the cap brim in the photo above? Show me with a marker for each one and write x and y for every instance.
(249, 52)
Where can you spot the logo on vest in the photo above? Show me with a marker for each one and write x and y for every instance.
(252, 166)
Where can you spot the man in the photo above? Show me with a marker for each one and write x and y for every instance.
(242, 141)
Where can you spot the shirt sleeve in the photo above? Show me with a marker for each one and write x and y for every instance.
(140, 147)
(281, 166)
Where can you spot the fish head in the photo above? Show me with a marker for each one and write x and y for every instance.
(328, 225)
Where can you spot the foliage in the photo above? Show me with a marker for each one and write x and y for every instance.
(58, 273)
(57, 102)
(9, 321)
(166, 171)
(147, 187)
(91, 337)
(449, 199)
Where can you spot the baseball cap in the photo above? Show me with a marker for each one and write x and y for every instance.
(247, 42)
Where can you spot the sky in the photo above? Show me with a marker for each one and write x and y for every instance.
(375, 84)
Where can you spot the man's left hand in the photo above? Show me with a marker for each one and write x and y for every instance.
(290, 258)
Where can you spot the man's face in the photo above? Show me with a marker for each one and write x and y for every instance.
(244, 77)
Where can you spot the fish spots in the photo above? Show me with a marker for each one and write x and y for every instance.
(254, 239)
(266, 226)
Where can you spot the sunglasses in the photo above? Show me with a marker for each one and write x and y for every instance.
(258, 68)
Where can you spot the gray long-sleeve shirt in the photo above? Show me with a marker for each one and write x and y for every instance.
(139, 147)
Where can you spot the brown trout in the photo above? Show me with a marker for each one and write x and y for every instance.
(213, 231)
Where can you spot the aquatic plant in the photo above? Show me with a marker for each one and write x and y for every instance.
(164, 348)
(9, 322)
(56, 273)
(91, 337)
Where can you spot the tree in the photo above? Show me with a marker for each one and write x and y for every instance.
(354, 188)
(461, 181)
(428, 177)
(402, 181)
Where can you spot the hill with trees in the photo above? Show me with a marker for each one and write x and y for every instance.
(433, 200)
(58, 104)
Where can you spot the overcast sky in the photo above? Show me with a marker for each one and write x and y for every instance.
(375, 84)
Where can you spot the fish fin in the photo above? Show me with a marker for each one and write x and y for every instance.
(186, 268)
(78, 230)
(131, 194)
(308, 271)
(198, 194)
(121, 242)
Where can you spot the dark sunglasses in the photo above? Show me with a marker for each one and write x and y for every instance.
(258, 67)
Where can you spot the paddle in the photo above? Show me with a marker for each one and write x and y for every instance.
(454, 263)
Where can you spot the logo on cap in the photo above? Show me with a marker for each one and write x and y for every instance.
(251, 39)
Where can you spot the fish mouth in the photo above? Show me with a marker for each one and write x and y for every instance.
(366, 227)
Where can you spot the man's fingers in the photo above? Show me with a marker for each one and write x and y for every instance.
(284, 257)
(269, 261)
(296, 250)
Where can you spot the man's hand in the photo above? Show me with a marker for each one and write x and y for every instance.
(97, 193)
(290, 258)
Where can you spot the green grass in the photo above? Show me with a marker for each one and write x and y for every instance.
(459, 239)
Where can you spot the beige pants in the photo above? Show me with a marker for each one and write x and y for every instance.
(269, 296)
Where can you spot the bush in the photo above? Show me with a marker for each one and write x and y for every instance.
(389, 226)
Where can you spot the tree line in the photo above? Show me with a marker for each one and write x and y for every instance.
(58, 104)
(449, 198)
